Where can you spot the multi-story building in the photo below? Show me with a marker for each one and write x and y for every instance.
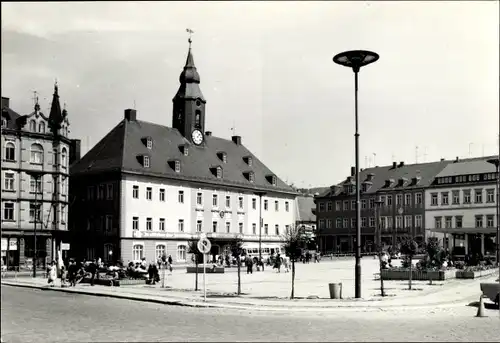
(400, 187)
(35, 167)
(461, 207)
(306, 218)
(146, 189)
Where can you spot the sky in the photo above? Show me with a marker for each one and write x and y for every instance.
(266, 70)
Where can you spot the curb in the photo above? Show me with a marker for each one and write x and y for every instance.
(245, 306)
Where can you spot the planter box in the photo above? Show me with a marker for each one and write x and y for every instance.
(461, 274)
(209, 270)
(417, 275)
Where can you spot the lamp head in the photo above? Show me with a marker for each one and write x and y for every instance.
(355, 59)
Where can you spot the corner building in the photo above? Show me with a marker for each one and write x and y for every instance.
(146, 189)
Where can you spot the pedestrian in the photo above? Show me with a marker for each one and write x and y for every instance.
(52, 273)
(151, 273)
(72, 271)
(249, 263)
(92, 270)
(277, 263)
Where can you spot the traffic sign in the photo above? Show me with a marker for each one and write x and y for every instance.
(204, 245)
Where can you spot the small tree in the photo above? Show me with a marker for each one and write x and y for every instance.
(435, 254)
(236, 247)
(294, 239)
(409, 248)
(198, 257)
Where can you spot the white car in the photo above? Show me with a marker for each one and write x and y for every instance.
(492, 291)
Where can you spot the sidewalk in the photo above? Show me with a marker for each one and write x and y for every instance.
(444, 296)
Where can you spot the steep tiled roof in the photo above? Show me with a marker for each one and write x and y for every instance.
(121, 147)
(305, 206)
(477, 166)
(11, 116)
(427, 172)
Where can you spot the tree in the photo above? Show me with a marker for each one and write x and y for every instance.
(237, 251)
(409, 248)
(294, 239)
(198, 257)
(435, 254)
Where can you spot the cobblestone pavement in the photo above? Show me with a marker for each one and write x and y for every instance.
(30, 315)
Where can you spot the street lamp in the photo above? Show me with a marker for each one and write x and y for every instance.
(356, 59)
(495, 161)
(260, 194)
(378, 230)
(37, 175)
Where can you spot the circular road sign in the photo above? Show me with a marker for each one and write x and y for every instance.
(204, 245)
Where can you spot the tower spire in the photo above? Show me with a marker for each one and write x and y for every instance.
(56, 115)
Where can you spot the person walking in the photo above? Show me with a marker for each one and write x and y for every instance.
(72, 270)
(249, 263)
(92, 270)
(277, 263)
(52, 273)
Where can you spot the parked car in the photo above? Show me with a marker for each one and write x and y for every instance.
(492, 291)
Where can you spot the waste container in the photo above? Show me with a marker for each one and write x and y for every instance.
(335, 290)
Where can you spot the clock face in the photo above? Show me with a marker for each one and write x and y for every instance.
(197, 137)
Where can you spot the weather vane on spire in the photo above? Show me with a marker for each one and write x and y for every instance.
(190, 35)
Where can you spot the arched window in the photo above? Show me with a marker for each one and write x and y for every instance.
(137, 252)
(197, 119)
(10, 151)
(36, 154)
(33, 125)
(108, 252)
(181, 253)
(64, 157)
(160, 250)
(41, 127)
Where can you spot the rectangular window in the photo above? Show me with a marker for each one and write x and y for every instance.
(277, 229)
(448, 222)
(390, 222)
(228, 227)
(467, 197)
(353, 205)
(161, 224)
(363, 204)
(338, 223)
(180, 225)
(408, 199)
(102, 192)
(408, 221)
(215, 200)
(479, 221)
(389, 200)
(180, 197)
(345, 223)
(276, 206)
(9, 181)
(418, 221)
(490, 221)
(109, 191)
(434, 199)
(240, 203)
(329, 206)
(177, 166)
(372, 222)
(265, 205)
(146, 161)
(135, 192)
(266, 229)
(35, 185)
(490, 195)
(90, 192)
(254, 228)
(214, 226)
(329, 224)
(363, 222)
(109, 223)
(199, 198)
(399, 222)
(346, 205)
(240, 227)
(287, 206)
(456, 197)
(399, 200)
(34, 211)
(199, 226)
(228, 201)
(287, 229)
(321, 223)
(353, 222)
(418, 199)
(254, 204)
(444, 198)
(459, 221)
(135, 223)
(371, 203)
(383, 223)
(149, 193)
(338, 206)
(321, 207)
(479, 196)
(162, 194)
(149, 224)
(437, 222)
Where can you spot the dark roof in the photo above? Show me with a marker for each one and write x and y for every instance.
(477, 166)
(427, 172)
(305, 206)
(11, 116)
(121, 147)
(190, 80)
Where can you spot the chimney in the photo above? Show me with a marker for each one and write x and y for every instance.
(442, 159)
(456, 160)
(208, 133)
(130, 115)
(401, 164)
(236, 140)
(394, 165)
(74, 151)
(353, 171)
(5, 102)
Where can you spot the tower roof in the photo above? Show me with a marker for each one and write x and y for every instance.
(55, 116)
(189, 79)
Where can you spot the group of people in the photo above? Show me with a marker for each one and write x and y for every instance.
(73, 272)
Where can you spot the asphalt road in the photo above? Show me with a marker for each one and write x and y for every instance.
(30, 315)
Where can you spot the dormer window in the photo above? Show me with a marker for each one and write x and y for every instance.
(248, 160)
(217, 172)
(348, 188)
(148, 142)
(145, 161)
(416, 180)
(366, 186)
(222, 156)
(271, 179)
(33, 126)
(388, 183)
(250, 176)
(175, 165)
(401, 182)
(184, 149)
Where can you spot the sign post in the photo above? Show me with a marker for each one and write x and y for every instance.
(204, 247)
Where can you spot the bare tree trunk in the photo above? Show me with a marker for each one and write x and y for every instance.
(196, 272)
(239, 275)
(382, 292)
(411, 273)
(293, 279)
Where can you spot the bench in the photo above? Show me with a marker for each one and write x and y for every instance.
(208, 270)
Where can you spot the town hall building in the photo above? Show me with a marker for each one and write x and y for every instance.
(147, 189)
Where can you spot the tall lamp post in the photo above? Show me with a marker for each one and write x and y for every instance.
(356, 59)
(260, 194)
(495, 161)
(37, 175)
(378, 230)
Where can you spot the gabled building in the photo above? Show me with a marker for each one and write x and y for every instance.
(146, 189)
(461, 207)
(36, 153)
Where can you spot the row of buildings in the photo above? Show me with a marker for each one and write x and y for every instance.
(454, 200)
(143, 190)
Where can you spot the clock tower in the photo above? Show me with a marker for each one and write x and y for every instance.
(189, 104)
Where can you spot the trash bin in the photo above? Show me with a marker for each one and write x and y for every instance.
(335, 290)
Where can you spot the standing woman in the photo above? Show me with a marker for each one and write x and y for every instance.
(52, 273)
